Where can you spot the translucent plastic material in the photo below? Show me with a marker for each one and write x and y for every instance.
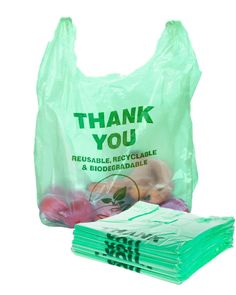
(160, 242)
(103, 143)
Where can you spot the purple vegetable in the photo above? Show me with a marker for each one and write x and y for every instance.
(175, 204)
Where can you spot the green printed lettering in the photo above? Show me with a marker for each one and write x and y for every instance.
(114, 140)
(143, 113)
(80, 117)
(113, 119)
(100, 140)
(129, 116)
(100, 120)
(132, 138)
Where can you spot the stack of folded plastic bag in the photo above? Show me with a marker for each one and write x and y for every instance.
(160, 242)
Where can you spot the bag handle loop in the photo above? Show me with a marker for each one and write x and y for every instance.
(59, 60)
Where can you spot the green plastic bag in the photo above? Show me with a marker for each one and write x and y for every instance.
(160, 242)
(103, 143)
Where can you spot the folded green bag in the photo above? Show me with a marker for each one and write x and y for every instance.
(161, 242)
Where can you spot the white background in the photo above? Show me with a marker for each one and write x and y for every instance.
(112, 36)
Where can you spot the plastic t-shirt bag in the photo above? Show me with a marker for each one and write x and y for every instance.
(103, 143)
(159, 242)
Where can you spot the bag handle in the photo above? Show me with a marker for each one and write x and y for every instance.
(59, 59)
(174, 51)
(173, 42)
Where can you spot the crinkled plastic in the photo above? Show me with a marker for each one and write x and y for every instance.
(160, 242)
(103, 143)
